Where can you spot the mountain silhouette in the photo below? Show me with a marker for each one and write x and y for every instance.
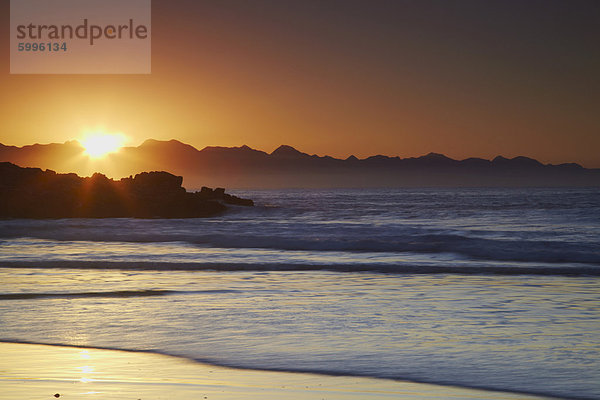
(245, 167)
(285, 151)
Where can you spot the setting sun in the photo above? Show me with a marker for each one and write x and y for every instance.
(100, 144)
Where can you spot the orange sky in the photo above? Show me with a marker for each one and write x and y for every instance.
(463, 78)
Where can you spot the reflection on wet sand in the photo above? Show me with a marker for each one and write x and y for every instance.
(43, 372)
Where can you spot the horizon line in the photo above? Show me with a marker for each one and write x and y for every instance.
(290, 147)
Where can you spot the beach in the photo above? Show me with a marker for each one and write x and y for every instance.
(301, 200)
(30, 371)
(494, 289)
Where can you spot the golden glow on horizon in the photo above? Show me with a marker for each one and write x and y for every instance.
(369, 87)
(99, 144)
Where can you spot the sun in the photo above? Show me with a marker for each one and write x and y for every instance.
(99, 144)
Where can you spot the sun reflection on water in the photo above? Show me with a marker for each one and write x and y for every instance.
(85, 354)
(87, 369)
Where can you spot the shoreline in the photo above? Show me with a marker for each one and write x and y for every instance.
(41, 370)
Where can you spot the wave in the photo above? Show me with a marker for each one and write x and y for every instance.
(562, 270)
(517, 249)
(120, 293)
(113, 294)
(464, 247)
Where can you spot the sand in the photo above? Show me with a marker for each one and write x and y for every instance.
(31, 371)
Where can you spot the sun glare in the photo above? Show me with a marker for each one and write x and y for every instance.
(100, 144)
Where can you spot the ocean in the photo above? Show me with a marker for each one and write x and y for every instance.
(489, 288)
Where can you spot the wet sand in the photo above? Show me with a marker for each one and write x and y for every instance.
(30, 371)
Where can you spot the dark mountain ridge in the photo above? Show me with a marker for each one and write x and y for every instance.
(244, 167)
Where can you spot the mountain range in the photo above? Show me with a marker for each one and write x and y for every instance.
(287, 167)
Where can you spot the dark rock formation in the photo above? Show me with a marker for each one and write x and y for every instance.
(33, 193)
(220, 195)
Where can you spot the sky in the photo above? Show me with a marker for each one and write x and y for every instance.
(339, 77)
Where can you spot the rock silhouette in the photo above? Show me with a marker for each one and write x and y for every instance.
(34, 193)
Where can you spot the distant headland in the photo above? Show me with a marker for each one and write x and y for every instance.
(34, 193)
(287, 167)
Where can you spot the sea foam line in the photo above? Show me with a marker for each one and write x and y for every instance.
(569, 270)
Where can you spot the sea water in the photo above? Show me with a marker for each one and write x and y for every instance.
(489, 288)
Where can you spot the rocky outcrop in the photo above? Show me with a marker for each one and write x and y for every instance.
(220, 195)
(34, 193)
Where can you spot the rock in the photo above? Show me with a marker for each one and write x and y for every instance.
(33, 193)
(238, 201)
(219, 194)
(157, 182)
(206, 191)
